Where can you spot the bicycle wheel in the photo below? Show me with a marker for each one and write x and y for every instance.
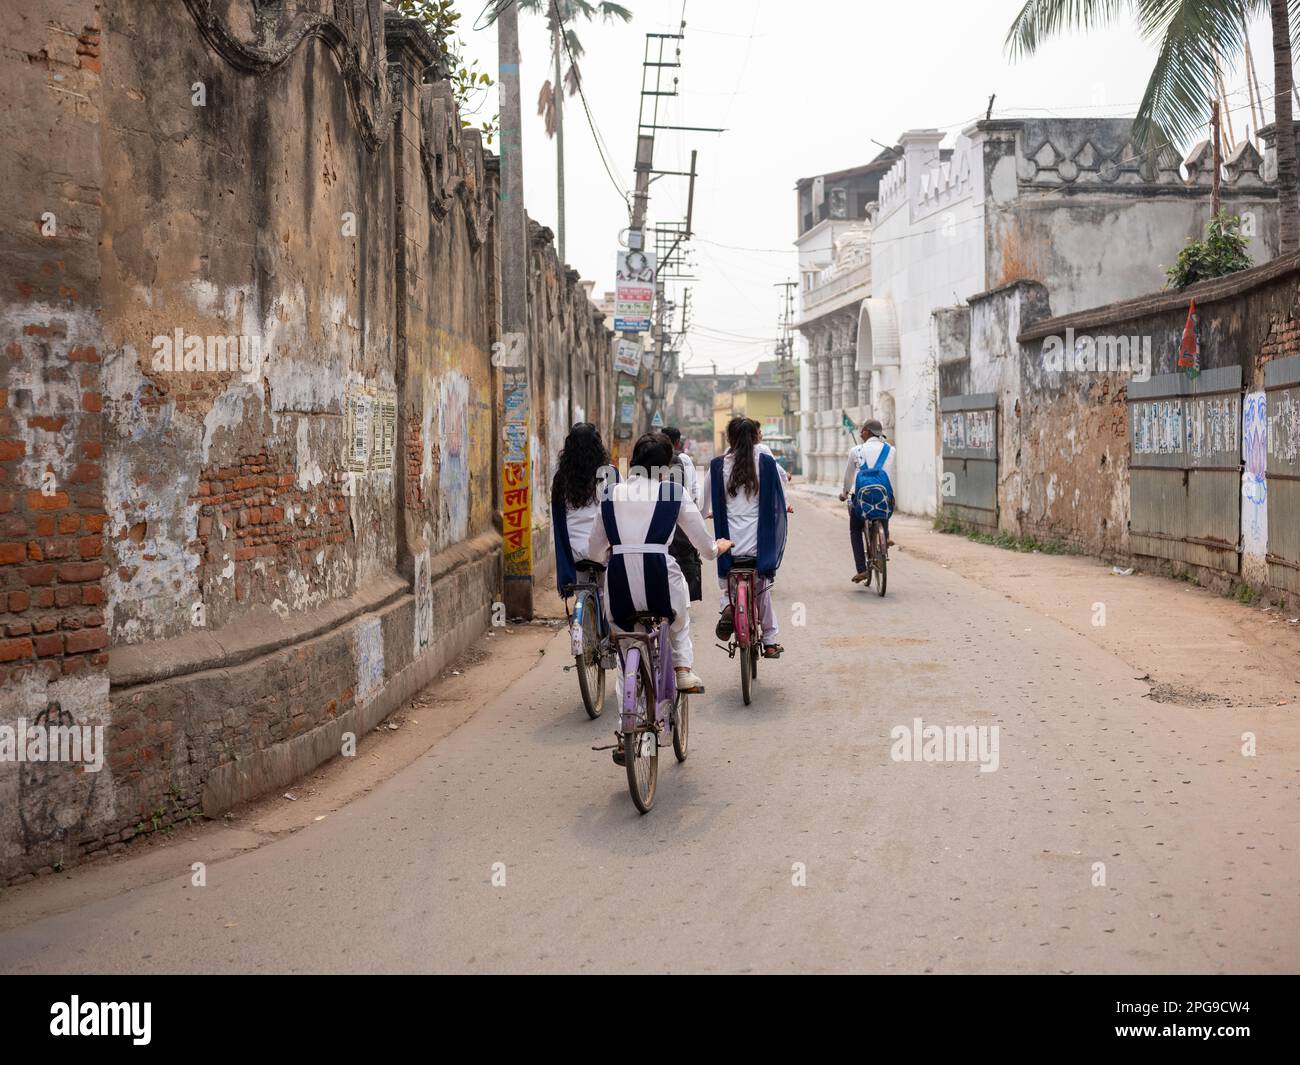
(591, 675)
(881, 562)
(681, 725)
(746, 673)
(641, 750)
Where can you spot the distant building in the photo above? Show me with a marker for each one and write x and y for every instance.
(889, 263)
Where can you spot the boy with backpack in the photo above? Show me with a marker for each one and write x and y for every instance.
(869, 475)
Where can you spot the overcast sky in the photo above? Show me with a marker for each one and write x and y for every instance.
(801, 88)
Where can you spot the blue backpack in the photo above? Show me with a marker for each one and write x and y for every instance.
(873, 495)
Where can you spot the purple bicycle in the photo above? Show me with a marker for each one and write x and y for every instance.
(652, 705)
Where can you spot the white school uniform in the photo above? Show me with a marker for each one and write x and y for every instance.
(634, 502)
(580, 521)
(742, 530)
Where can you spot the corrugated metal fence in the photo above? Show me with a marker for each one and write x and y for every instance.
(1282, 392)
(1185, 468)
(970, 458)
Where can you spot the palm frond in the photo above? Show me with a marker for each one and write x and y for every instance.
(610, 12)
(1194, 36)
(1040, 19)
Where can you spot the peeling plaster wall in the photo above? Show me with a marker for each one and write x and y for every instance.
(285, 546)
(1064, 435)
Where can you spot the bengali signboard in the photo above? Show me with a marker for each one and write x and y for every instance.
(627, 357)
(634, 291)
(516, 504)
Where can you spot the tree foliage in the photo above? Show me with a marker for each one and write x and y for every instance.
(469, 83)
(1222, 251)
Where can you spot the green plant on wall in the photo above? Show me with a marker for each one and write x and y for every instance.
(1222, 251)
(469, 83)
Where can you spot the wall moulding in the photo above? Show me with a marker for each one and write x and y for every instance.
(356, 41)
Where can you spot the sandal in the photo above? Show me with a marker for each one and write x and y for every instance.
(726, 626)
(772, 650)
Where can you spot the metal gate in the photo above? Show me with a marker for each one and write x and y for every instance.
(1185, 468)
(969, 487)
(1282, 395)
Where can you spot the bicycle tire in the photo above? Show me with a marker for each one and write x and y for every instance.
(681, 726)
(642, 768)
(746, 676)
(593, 691)
(882, 558)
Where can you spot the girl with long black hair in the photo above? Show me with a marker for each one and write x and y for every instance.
(744, 493)
(576, 490)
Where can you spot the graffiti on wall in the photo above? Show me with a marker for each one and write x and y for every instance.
(423, 604)
(453, 447)
(370, 659)
(1254, 483)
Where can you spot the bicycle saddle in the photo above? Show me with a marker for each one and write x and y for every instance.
(744, 562)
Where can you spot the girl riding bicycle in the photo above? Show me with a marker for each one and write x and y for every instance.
(635, 527)
(743, 492)
(581, 476)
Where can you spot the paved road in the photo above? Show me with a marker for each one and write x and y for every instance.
(909, 866)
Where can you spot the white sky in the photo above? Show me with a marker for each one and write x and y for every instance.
(801, 89)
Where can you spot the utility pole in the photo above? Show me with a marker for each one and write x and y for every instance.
(557, 46)
(510, 353)
(785, 353)
(1216, 157)
(653, 88)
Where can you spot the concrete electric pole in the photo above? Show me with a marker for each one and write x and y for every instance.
(510, 353)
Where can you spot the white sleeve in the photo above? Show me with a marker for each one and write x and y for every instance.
(691, 522)
(598, 543)
(850, 471)
(705, 500)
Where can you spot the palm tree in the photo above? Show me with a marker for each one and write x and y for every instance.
(560, 15)
(1194, 37)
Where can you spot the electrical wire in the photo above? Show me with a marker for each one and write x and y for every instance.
(591, 122)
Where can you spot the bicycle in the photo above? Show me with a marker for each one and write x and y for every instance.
(590, 643)
(746, 622)
(651, 705)
(877, 554)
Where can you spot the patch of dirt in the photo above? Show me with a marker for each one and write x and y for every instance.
(1183, 695)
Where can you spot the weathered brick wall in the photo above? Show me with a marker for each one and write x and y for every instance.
(53, 640)
(278, 550)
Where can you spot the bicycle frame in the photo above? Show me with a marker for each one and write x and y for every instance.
(663, 677)
(742, 588)
(586, 596)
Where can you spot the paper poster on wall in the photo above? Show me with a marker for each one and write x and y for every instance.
(634, 291)
(627, 356)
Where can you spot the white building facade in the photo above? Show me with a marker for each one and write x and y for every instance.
(1068, 203)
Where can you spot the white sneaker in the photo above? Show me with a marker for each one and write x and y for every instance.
(688, 682)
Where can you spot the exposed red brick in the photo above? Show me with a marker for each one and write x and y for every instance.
(12, 449)
(13, 650)
(81, 571)
(87, 640)
(49, 645)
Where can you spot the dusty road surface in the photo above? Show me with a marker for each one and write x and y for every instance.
(1123, 829)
